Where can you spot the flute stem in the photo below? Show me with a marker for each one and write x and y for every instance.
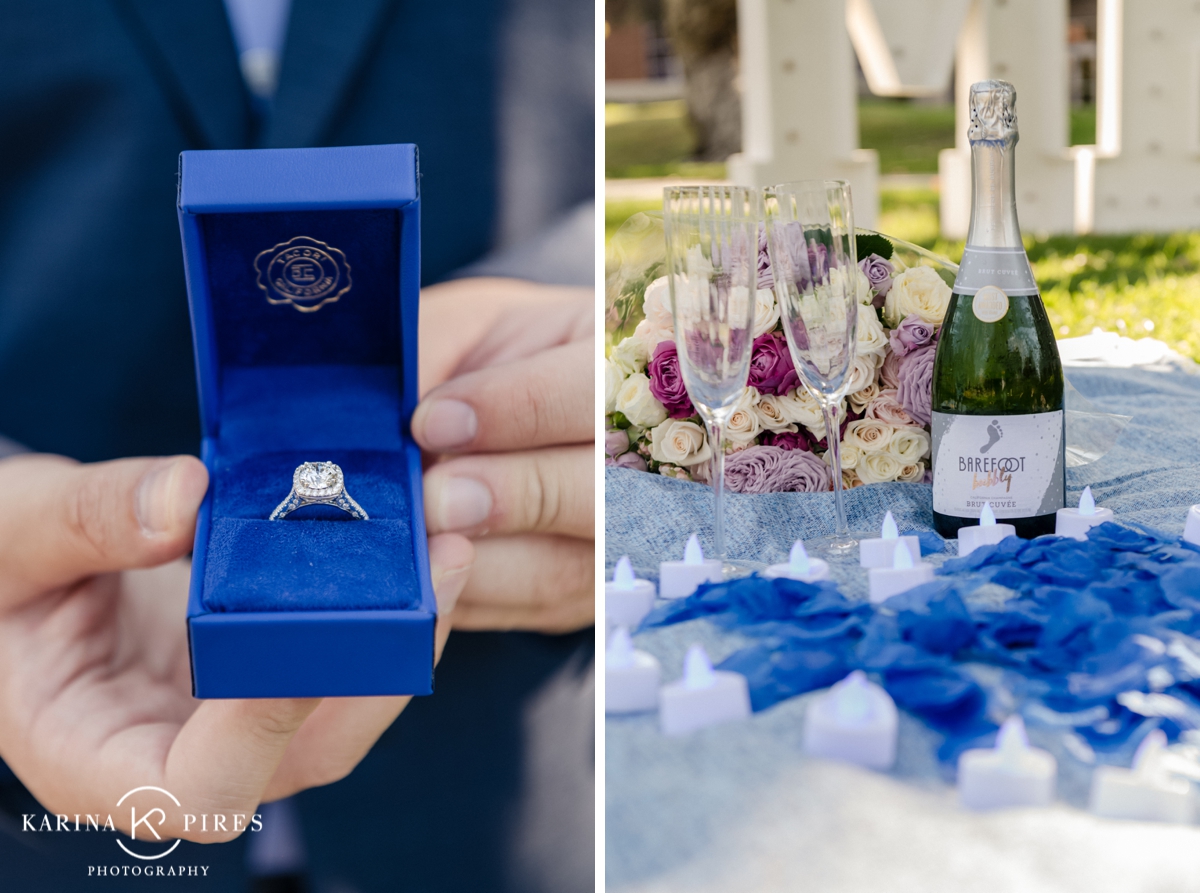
(833, 437)
(715, 432)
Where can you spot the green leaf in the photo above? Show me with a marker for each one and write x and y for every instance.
(873, 243)
(619, 421)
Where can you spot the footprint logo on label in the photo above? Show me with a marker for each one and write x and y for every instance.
(994, 434)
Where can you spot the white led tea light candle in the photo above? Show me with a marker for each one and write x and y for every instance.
(1148, 791)
(986, 533)
(799, 566)
(631, 677)
(903, 575)
(703, 697)
(1191, 528)
(679, 579)
(627, 599)
(855, 722)
(878, 552)
(1010, 774)
(1076, 522)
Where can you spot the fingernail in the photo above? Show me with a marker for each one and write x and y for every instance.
(463, 503)
(448, 424)
(153, 499)
(449, 588)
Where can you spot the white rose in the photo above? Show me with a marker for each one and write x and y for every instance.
(861, 283)
(878, 468)
(869, 435)
(766, 311)
(743, 425)
(850, 456)
(636, 402)
(909, 445)
(679, 442)
(656, 305)
(872, 339)
(771, 414)
(862, 374)
(918, 290)
(802, 407)
(614, 377)
(862, 398)
(912, 474)
(631, 354)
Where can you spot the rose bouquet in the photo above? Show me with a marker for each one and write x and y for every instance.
(776, 438)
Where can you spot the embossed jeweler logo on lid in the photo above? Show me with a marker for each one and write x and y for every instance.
(303, 272)
(990, 304)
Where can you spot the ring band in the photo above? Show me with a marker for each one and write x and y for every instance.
(318, 483)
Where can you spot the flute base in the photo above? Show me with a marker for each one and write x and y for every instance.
(835, 545)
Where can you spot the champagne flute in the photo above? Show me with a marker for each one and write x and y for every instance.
(811, 242)
(712, 250)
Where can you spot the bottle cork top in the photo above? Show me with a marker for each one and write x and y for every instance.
(993, 111)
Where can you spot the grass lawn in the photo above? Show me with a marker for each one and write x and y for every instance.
(654, 139)
(1142, 284)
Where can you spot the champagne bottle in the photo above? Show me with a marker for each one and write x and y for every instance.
(997, 420)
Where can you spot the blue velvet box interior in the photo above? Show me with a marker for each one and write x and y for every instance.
(341, 606)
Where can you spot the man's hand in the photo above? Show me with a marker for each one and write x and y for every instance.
(508, 369)
(95, 692)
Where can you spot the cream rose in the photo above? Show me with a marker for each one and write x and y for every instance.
(861, 398)
(679, 442)
(920, 291)
(850, 456)
(743, 425)
(909, 445)
(872, 339)
(888, 410)
(862, 373)
(878, 468)
(631, 354)
(637, 404)
(869, 435)
(771, 414)
(850, 479)
(802, 407)
(912, 474)
(766, 311)
(614, 377)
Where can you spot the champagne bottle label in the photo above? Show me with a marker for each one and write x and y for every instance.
(1005, 268)
(1015, 462)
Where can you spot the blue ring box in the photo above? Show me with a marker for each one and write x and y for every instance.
(303, 276)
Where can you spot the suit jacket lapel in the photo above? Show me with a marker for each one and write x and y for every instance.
(325, 46)
(190, 47)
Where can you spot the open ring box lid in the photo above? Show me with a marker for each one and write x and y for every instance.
(303, 276)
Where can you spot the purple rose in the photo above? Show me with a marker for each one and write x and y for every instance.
(766, 279)
(771, 367)
(912, 334)
(666, 382)
(628, 460)
(878, 271)
(771, 469)
(915, 392)
(615, 443)
(789, 440)
(818, 260)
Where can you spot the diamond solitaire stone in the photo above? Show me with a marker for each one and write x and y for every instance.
(318, 480)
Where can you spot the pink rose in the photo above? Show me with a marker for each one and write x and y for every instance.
(889, 372)
(666, 382)
(887, 409)
(915, 392)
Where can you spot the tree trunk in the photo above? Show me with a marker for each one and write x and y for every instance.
(704, 35)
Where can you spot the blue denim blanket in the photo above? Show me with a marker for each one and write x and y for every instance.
(740, 807)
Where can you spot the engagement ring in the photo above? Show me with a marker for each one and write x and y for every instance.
(318, 483)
